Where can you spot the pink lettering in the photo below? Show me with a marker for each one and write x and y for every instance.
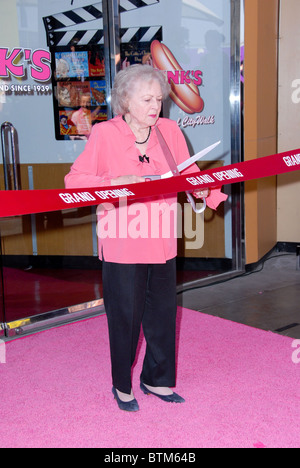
(7, 63)
(40, 67)
(198, 78)
(185, 77)
(182, 77)
(173, 77)
(40, 71)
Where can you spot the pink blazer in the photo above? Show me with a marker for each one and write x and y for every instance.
(142, 231)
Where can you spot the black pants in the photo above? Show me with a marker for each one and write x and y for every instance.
(136, 295)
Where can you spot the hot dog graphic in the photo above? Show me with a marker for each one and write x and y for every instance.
(186, 95)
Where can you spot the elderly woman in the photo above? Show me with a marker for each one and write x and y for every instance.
(139, 271)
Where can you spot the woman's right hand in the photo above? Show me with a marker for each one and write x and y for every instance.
(126, 180)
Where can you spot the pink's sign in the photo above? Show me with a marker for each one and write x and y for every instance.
(14, 63)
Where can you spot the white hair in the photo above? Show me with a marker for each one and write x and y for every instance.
(124, 85)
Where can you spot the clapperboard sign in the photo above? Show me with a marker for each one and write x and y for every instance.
(77, 59)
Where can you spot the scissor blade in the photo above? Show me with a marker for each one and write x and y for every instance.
(196, 157)
(185, 164)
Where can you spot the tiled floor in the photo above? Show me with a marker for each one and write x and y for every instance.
(268, 299)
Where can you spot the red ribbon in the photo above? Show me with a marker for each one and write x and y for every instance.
(22, 202)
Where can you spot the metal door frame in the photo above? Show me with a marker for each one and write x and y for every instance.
(2, 304)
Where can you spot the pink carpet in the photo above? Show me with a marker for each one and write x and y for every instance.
(241, 386)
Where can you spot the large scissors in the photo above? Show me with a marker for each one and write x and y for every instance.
(188, 162)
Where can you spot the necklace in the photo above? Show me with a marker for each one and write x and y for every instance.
(143, 142)
(139, 142)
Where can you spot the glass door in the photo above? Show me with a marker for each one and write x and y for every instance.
(198, 44)
(55, 80)
(58, 60)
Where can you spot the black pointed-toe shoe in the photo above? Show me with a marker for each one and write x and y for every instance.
(173, 398)
(125, 405)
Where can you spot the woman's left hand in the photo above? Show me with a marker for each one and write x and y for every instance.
(201, 193)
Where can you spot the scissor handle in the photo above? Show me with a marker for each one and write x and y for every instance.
(192, 202)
